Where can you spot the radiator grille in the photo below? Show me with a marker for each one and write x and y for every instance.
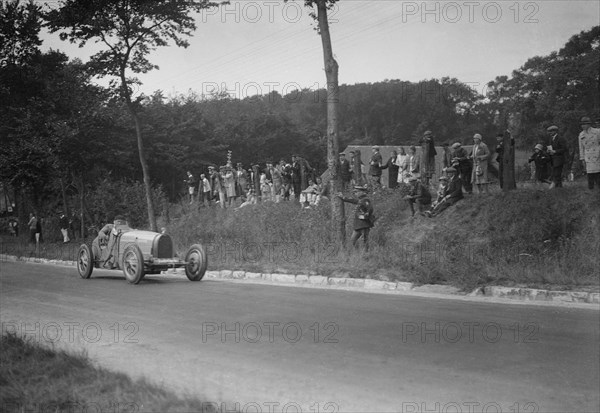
(164, 246)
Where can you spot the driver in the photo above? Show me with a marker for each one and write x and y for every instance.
(109, 233)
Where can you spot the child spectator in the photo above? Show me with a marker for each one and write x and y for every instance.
(541, 160)
(205, 189)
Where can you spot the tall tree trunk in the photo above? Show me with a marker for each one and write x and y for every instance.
(63, 193)
(333, 163)
(145, 169)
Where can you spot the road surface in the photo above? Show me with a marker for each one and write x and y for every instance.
(273, 348)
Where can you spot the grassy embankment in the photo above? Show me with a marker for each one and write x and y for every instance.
(529, 237)
(35, 378)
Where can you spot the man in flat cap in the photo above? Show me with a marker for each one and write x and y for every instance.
(559, 153)
(589, 151)
(363, 215)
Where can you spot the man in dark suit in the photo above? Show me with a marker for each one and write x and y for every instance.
(418, 194)
(363, 215)
(559, 153)
(345, 172)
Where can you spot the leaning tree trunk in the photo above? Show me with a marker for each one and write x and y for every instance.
(333, 163)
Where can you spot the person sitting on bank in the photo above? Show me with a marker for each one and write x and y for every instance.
(452, 194)
(364, 218)
(441, 190)
(418, 194)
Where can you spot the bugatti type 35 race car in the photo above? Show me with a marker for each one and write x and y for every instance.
(138, 253)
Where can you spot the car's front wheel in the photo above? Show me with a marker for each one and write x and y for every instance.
(133, 264)
(85, 261)
(196, 262)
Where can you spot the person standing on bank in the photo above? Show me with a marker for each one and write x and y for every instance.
(345, 171)
(64, 227)
(428, 154)
(480, 155)
(393, 170)
(559, 154)
(589, 152)
(363, 215)
(375, 168)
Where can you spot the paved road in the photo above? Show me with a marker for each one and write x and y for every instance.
(266, 348)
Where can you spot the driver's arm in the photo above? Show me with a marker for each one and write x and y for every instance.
(105, 231)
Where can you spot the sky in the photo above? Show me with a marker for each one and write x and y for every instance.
(254, 47)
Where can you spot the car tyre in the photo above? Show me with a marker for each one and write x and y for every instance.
(133, 264)
(85, 261)
(196, 262)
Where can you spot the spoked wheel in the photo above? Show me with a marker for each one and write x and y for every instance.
(133, 264)
(85, 261)
(196, 262)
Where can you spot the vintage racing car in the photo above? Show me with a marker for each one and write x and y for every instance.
(138, 253)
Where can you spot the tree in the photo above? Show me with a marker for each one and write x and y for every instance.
(129, 30)
(333, 98)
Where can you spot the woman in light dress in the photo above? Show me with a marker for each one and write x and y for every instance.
(402, 163)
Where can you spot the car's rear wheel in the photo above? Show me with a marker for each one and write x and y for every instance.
(133, 264)
(85, 261)
(196, 262)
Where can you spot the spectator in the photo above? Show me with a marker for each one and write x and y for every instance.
(500, 155)
(32, 224)
(402, 164)
(229, 183)
(480, 155)
(286, 178)
(393, 170)
(306, 171)
(418, 194)
(358, 169)
(345, 172)
(447, 160)
(589, 152)
(541, 160)
(13, 227)
(241, 180)
(429, 152)
(216, 184)
(559, 154)
(441, 190)
(364, 218)
(296, 176)
(463, 164)
(375, 168)
(452, 194)
(414, 162)
(308, 195)
(276, 180)
(265, 187)
(205, 190)
(191, 182)
(64, 227)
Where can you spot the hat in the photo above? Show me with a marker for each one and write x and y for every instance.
(552, 128)
(413, 179)
(539, 146)
(451, 169)
(375, 147)
(585, 121)
(361, 188)
(444, 178)
(477, 136)
(295, 155)
(427, 133)
(456, 145)
(211, 167)
(342, 154)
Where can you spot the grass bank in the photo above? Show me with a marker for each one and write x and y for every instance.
(35, 378)
(530, 237)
